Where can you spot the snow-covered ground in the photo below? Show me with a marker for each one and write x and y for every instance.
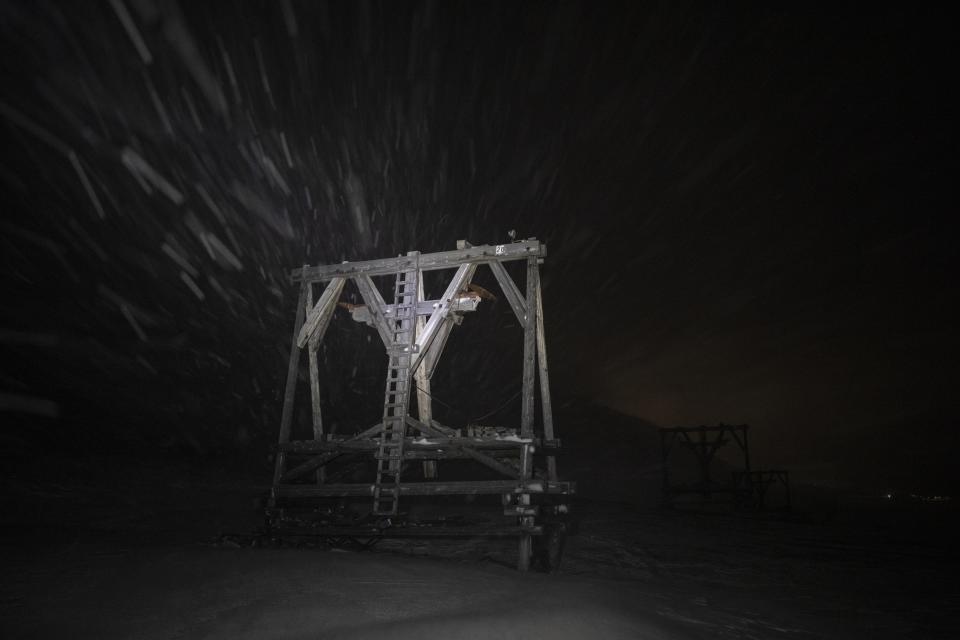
(152, 569)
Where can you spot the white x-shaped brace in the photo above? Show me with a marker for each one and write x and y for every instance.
(438, 325)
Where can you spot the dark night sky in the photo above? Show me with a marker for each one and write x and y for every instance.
(747, 211)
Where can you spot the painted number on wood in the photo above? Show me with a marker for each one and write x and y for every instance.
(499, 250)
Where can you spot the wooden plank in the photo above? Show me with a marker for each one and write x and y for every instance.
(376, 306)
(467, 487)
(369, 432)
(416, 452)
(286, 417)
(424, 403)
(310, 465)
(529, 350)
(427, 262)
(511, 292)
(318, 317)
(545, 402)
(459, 280)
(490, 462)
(454, 531)
(312, 343)
(422, 381)
(427, 430)
(523, 501)
(432, 357)
(435, 440)
(451, 433)
(463, 303)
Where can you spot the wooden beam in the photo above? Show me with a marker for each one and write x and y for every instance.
(430, 331)
(427, 261)
(491, 462)
(424, 402)
(529, 350)
(432, 358)
(463, 303)
(422, 381)
(286, 416)
(451, 433)
(426, 443)
(427, 430)
(468, 487)
(523, 500)
(468, 450)
(314, 375)
(319, 317)
(310, 465)
(511, 292)
(376, 306)
(545, 403)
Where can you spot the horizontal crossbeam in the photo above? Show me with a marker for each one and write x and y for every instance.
(418, 444)
(319, 317)
(427, 261)
(464, 302)
(470, 487)
(422, 531)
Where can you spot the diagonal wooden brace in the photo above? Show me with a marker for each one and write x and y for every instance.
(512, 293)
(482, 458)
(491, 462)
(318, 319)
(310, 465)
(459, 281)
(376, 306)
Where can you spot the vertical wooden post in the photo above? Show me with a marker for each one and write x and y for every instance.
(314, 377)
(286, 418)
(424, 404)
(525, 550)
(315, 412)
(545, 402)
(527, 416)
(530, 350)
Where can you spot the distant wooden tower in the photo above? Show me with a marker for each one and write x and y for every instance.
(414, 332)
(747, 487)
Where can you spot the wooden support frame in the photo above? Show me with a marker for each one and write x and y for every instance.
(480, 254)
(529, 348)
(704, 442)
(753, 486)
(300, 466)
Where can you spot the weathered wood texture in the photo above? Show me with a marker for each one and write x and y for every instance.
(469, 487)
(545, 402)
(511, 292)
(427, 261)
(529, 350)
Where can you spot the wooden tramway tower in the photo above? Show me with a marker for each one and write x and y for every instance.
(414, 332)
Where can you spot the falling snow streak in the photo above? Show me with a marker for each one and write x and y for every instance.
(142, 169)
(168, 162)
(131, 28)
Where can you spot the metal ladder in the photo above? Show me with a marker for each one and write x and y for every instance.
(402, 321)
